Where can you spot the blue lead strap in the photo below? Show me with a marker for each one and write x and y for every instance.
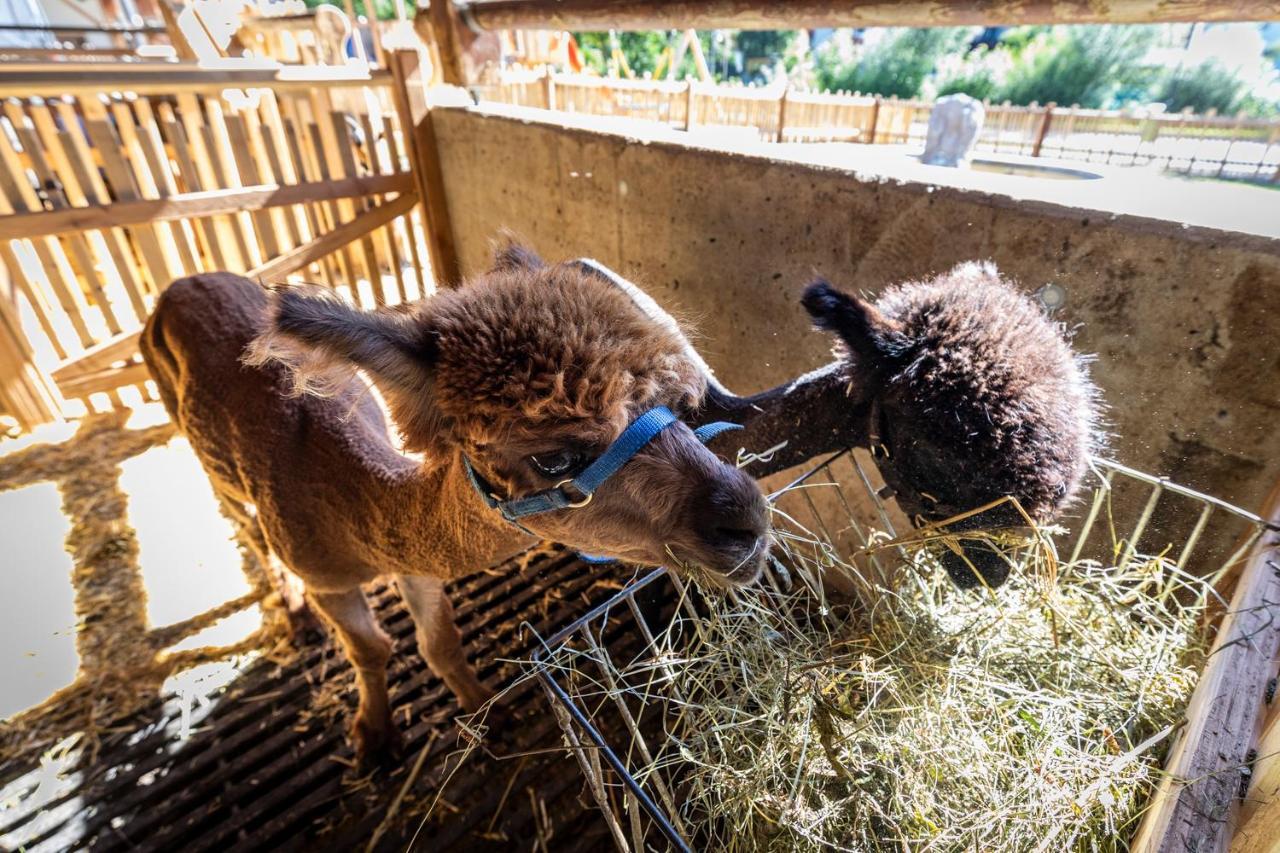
(633, 439)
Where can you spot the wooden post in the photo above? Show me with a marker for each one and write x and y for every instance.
(424, 159)
(1045, 120)
(688, 105)
(875, 119)
(782, 112)
(549, 88)
(439, 25)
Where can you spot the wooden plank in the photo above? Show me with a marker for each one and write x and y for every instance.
(145, 182)
(123, 188)
(25, 79)
(372, 132)
(1197, 804)
(52, 268)
(347, 165)
(268, 168)
(247, 172)
(218, 142)
(25, 392)
(406, 222)
(162, 176)
(278, 268)
(122, 347)
(70, 157)
(105, 381)
(420, 136)
(324, 215)
(95, 370)
(764, 15)
(209, 232)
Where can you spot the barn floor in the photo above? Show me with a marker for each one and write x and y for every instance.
(243, 745)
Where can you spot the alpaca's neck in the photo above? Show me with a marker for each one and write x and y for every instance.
(820, 412)
(433, 522)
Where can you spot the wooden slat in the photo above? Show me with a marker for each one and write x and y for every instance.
(24, 79)
(218, 141)
(1198, 802)
(69, 155)
(52, 270)
(347, 166)
(282, 266)
(94, 370)
(100, 357)
(106, 380)
(124, 188)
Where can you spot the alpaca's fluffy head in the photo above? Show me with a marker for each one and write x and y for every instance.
(532, 370)
(976, 395)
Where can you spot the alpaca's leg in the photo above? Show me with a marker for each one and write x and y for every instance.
(290, 587)
(368, 649)
(439, 640)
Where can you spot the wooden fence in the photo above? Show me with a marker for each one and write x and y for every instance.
(1204, 145)
(116, 181)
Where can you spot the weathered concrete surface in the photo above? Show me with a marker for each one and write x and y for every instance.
(1185, 322)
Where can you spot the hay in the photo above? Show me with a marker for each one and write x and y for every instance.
(1032, 717)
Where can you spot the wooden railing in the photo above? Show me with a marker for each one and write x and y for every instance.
(114, 184)
(1219, 146)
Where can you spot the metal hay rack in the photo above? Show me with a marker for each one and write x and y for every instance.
(612, 695)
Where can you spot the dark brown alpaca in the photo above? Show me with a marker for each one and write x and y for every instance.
(529, 370)
(961, 386)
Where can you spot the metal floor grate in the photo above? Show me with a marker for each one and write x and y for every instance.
(264, 768)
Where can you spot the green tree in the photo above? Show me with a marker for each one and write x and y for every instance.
(1209, 85)
(896, 65)
(385, 10)
(1093, 66)
(641, 49)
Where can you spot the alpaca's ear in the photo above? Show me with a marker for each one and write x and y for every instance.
(868, 334)
(511, 256)
(323, 340)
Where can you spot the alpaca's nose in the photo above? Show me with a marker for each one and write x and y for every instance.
(981, 563)
(731, 514)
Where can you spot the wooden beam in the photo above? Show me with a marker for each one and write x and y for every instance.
(277, 268)
(439, 25)
(1197, 805)
(764, 15)
(106, 380)
(25, 79)
(195, 205)
(96, 369)
(97, 358)
(424, 153)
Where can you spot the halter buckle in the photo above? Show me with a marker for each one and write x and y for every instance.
(560, 485)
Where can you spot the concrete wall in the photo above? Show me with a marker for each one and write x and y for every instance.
(1185, 322)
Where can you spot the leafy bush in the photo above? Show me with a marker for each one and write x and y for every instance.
(980, 73)
(896, 65)
(641, 50)
(1089, 66)
(1209, 85)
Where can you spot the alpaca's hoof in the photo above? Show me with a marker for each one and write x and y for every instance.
(377, 745)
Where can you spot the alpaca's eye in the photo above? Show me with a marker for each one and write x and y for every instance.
(556, 463)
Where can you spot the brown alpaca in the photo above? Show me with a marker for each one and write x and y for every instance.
(530, 371)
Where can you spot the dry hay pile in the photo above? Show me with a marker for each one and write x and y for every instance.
(1032, 717)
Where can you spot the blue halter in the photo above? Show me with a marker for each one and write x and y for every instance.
(637, 434)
